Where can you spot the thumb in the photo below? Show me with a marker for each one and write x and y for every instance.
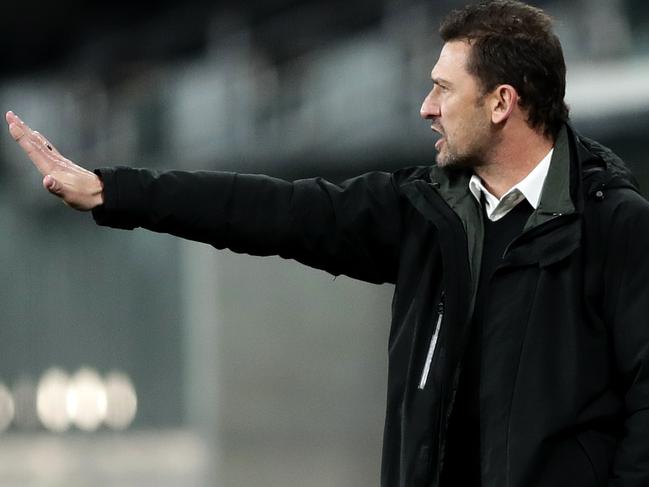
(51, 184)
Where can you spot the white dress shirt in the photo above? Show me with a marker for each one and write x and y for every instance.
(529, 188)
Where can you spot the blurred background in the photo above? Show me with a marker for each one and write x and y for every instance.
(137, 359)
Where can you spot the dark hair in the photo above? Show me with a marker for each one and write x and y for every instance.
(514, 43)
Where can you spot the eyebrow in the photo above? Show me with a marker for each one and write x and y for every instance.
(443, 81)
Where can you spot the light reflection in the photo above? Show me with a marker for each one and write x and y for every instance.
(51, 400)
(86, 400)
(122, 401)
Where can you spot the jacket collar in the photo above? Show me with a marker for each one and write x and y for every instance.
(557, 201)
(580, 168)
(556, 198)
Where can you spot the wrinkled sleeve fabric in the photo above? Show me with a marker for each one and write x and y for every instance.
(628, 312)
(352, 228)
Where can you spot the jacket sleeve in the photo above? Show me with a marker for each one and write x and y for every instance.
(627, 311)
(352, 228)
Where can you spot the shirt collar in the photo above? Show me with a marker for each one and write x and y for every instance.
(530, 187)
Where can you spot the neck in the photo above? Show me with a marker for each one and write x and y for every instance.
(514, 157)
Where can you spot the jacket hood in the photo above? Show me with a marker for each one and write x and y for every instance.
(602, 169)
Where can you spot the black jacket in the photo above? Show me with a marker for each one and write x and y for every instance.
(564, 395)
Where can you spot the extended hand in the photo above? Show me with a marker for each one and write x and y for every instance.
(76, 186)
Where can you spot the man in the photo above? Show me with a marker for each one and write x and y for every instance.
(519, 344)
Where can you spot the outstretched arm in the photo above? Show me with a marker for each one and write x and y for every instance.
(351, 228)
(76, 186)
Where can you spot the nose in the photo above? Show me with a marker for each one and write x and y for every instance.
(429, 108)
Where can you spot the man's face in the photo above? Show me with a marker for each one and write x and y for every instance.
(456, 108)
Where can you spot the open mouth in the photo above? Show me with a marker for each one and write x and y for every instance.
(438, 130)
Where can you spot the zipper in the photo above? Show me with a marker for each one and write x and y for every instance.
(433, 345)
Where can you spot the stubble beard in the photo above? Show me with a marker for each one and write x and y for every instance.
(447, 157)
(476, 149)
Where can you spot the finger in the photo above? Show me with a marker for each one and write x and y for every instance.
(16, 125)
(38, 148)
(45, 144)
(20, 128)
(16, 131)
(11, 117)
(51, 184)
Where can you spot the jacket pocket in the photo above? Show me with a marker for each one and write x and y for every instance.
(433, 345)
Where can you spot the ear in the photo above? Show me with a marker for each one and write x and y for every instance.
(503, 100)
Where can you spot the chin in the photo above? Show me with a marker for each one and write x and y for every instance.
(443, 159)
(453, 161)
